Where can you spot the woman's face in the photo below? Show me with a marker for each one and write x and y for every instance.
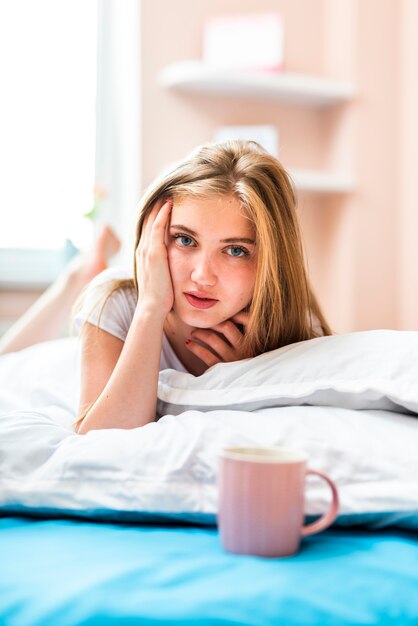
(212, 254)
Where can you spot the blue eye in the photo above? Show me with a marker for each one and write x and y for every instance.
(244, 252)
(186, 245)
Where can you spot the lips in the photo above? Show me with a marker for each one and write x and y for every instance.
(200, 302)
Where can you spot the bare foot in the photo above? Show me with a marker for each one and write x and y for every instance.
(86, 265)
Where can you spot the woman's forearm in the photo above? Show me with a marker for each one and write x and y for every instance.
(129, 398)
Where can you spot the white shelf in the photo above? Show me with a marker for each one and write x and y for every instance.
(195, 76)
(321, 182)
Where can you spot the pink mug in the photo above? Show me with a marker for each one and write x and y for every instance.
(261, 501)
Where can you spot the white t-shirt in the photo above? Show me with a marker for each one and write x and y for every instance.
(118, 312)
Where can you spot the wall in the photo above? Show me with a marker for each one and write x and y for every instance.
(14, 303)
(360, 247)
(407, 167)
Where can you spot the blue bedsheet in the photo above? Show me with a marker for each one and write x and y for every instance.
(65, 572)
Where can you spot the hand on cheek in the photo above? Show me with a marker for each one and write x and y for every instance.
(155, 287)
(221, 343)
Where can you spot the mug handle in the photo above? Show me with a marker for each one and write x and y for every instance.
(326, 520)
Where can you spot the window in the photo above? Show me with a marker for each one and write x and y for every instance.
(48, 69)
(69, 123)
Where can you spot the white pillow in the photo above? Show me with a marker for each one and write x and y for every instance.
(375, 369)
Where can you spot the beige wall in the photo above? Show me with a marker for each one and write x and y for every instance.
(361, 249)
(407, 203)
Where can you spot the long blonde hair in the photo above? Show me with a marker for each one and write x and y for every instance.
(283, 304)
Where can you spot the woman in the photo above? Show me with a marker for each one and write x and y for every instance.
(219, 276)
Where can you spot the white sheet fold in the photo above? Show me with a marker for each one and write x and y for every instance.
(170, 467)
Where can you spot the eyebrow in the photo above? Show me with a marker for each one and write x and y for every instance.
(229, 240)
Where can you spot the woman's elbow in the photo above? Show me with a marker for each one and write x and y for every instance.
(80, 428)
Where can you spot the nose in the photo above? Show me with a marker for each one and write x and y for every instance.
(203, 272)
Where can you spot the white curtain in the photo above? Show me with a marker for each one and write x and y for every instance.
(118, 118)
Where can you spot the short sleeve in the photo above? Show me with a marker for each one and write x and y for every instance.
(115, 316)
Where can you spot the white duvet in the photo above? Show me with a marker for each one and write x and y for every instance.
(350, 401)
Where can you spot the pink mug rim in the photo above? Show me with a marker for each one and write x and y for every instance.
(264, 454)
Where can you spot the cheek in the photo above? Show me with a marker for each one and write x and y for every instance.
(241, 283)
(176, 263)
(245, 278)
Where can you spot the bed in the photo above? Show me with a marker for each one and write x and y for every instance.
(120, 527)
(77, 572)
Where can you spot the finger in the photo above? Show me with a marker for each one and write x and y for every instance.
(203, 353)
(143, 242)
(149, 223)
(161, 219)
(161, 225)
(151, 217)
(230, 331)
(215, 342)
(168, 223)
(241, 318)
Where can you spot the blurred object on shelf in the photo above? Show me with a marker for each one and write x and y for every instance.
(247, 41)
(266, 136)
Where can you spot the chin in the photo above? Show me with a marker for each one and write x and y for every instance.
(199, 319)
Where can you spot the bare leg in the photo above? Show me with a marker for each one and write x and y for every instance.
(47, 317)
